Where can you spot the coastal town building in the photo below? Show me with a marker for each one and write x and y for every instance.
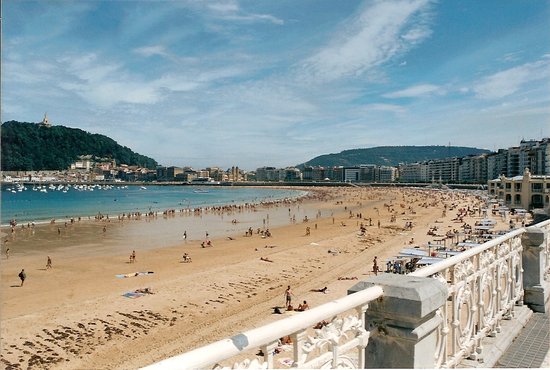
(479, 169)
(413, 172)
(526, 191)
(473, 169)
(85, 162)
(531, 154)
(496, 164)
(267, 174)
(387, 174)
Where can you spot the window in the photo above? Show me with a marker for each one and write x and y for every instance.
(517, 199)
(536, 187)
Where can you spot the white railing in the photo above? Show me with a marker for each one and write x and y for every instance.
(341, 343)
(484, 284)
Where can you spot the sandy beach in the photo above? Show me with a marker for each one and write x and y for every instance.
(75, 315)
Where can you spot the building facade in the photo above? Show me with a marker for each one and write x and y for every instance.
(526, 191)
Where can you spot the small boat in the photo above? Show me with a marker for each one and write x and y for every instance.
(200, 191)
(143, 188)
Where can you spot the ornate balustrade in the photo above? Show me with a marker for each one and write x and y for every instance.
(447, 308)
(341, 343)
(484, 284)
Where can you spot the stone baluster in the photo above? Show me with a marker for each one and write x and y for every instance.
(536, 289)
(403, 322)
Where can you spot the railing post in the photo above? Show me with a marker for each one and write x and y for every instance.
(403, 322)
(537, 290)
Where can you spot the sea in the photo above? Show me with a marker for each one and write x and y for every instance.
(41, 204)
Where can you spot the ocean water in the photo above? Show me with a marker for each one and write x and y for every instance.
(37, 206)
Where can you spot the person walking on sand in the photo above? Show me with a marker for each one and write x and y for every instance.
(7, 253)
(288, 297)
(375, 265)
(49, 263)
(22, 276)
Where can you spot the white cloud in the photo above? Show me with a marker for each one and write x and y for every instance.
(104, 83)
(510, 81)
(224, 7)
(415, 91)
(152, 50)
(381, 31)
(384, 107)
(231, 11)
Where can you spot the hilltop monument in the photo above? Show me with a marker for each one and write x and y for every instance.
(45, 122)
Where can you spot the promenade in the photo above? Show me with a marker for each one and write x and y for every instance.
(531, 348)
(524, 342)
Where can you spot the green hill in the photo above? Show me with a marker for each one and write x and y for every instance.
(32, 147)
(391, 155)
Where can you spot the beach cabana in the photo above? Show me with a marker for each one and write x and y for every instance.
(447, 253)
(412, 252)
(484, 227)
(486, 222)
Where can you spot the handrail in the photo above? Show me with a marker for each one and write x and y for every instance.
(450, 261)
(255, 338)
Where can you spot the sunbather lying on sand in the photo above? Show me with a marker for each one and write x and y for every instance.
(144, 290)
(324, 290)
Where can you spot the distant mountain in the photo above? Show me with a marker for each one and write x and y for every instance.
(33, 147)
(391, 155)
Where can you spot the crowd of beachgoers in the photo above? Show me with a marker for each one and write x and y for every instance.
(95, 307)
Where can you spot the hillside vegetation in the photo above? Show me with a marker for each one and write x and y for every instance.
(31, 147)
(391, 155)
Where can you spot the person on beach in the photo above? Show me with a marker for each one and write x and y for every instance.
(185, 235)
(375, 265)
(48, 263)
(7, 253)
(288, 297)
(22, 276)
(302, 306)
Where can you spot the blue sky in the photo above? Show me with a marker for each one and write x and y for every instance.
(259, 83)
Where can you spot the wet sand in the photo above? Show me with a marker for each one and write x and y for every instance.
(74, 315)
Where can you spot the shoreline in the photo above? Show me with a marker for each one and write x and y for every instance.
(302, 192)
(226, 289)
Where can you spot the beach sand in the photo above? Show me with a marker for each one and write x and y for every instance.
(74, 315)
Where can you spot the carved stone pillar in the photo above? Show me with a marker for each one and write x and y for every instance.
(536, 289)
(403, 322)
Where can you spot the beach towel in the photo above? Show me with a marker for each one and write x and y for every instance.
(133, 295)
(120, 276)
(287, 361)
